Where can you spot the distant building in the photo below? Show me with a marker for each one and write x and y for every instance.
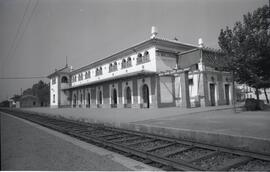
(152, 74)
(29, 101)
(249, 92)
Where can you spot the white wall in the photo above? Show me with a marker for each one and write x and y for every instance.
(54, 91)
(149, 66)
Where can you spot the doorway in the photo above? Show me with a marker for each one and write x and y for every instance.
(227, 97)
(212, 95)
(128, 97)
(88, 100)
(114, 98)
(145, 96)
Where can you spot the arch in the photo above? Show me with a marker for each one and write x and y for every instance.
(64, 79)
(145, 96)
(74, 100)
(129, 62)
(88, 99)
(139, 58)
(100, 97)
(124, 64)
(128, 96)
(81, 99)
(146, 53)
(114, 98)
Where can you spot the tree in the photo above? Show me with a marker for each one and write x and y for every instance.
(41, 90)
(247, 48)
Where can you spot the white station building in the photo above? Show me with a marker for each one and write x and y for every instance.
(152, 74)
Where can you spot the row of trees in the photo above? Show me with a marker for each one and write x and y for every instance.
(247, 48)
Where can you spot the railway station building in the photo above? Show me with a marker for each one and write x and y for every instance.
(152, 74)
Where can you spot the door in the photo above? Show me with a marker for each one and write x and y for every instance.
(74, 101)
(114, 98)
(128, 97)
(227, 98)
(88, 99)
(212, 95)
(145, 91)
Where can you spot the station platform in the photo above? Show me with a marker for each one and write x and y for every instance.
(219, 125)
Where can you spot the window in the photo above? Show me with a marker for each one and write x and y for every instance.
(196, 66)
(74, 78)
(87, 74)
(98, 71)
(80, 77)
(54, 98)
(124, 63)
(129, 64)
(139, 58)
(143, 58)
(64, 79)
(113, 67)
(53, 81)
(190, 81)
(146, 57)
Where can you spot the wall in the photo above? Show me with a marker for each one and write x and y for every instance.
(166, 91)
(149, 66)
(165, 61)
(54, 91)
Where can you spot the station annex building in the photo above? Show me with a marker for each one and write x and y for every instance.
(152, 74)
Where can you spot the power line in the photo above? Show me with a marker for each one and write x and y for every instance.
(27, 23)
(29, 77)
(18, 29)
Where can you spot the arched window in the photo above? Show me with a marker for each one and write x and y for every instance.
(129, 64)
(100, 70)
(139, 58)
(146, 57)
(124, 64)
(146, 53)
(111, 67)
(115, 66)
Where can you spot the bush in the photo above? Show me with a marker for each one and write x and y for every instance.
(251, 104)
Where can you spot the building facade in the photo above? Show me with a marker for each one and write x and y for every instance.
(152, 74)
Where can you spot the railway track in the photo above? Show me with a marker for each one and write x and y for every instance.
(162, 152)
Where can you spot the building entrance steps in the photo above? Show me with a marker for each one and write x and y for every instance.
(213, 125)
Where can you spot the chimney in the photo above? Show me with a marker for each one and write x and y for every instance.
(154, 32)
(200, 42)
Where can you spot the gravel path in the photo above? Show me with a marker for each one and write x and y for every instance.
(25, 147)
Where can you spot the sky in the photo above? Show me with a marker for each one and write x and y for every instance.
(37, 35)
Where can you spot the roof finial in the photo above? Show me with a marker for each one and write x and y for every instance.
(154, 32)
(200, 42)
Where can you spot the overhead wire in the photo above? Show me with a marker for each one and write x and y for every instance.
(28, 77)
